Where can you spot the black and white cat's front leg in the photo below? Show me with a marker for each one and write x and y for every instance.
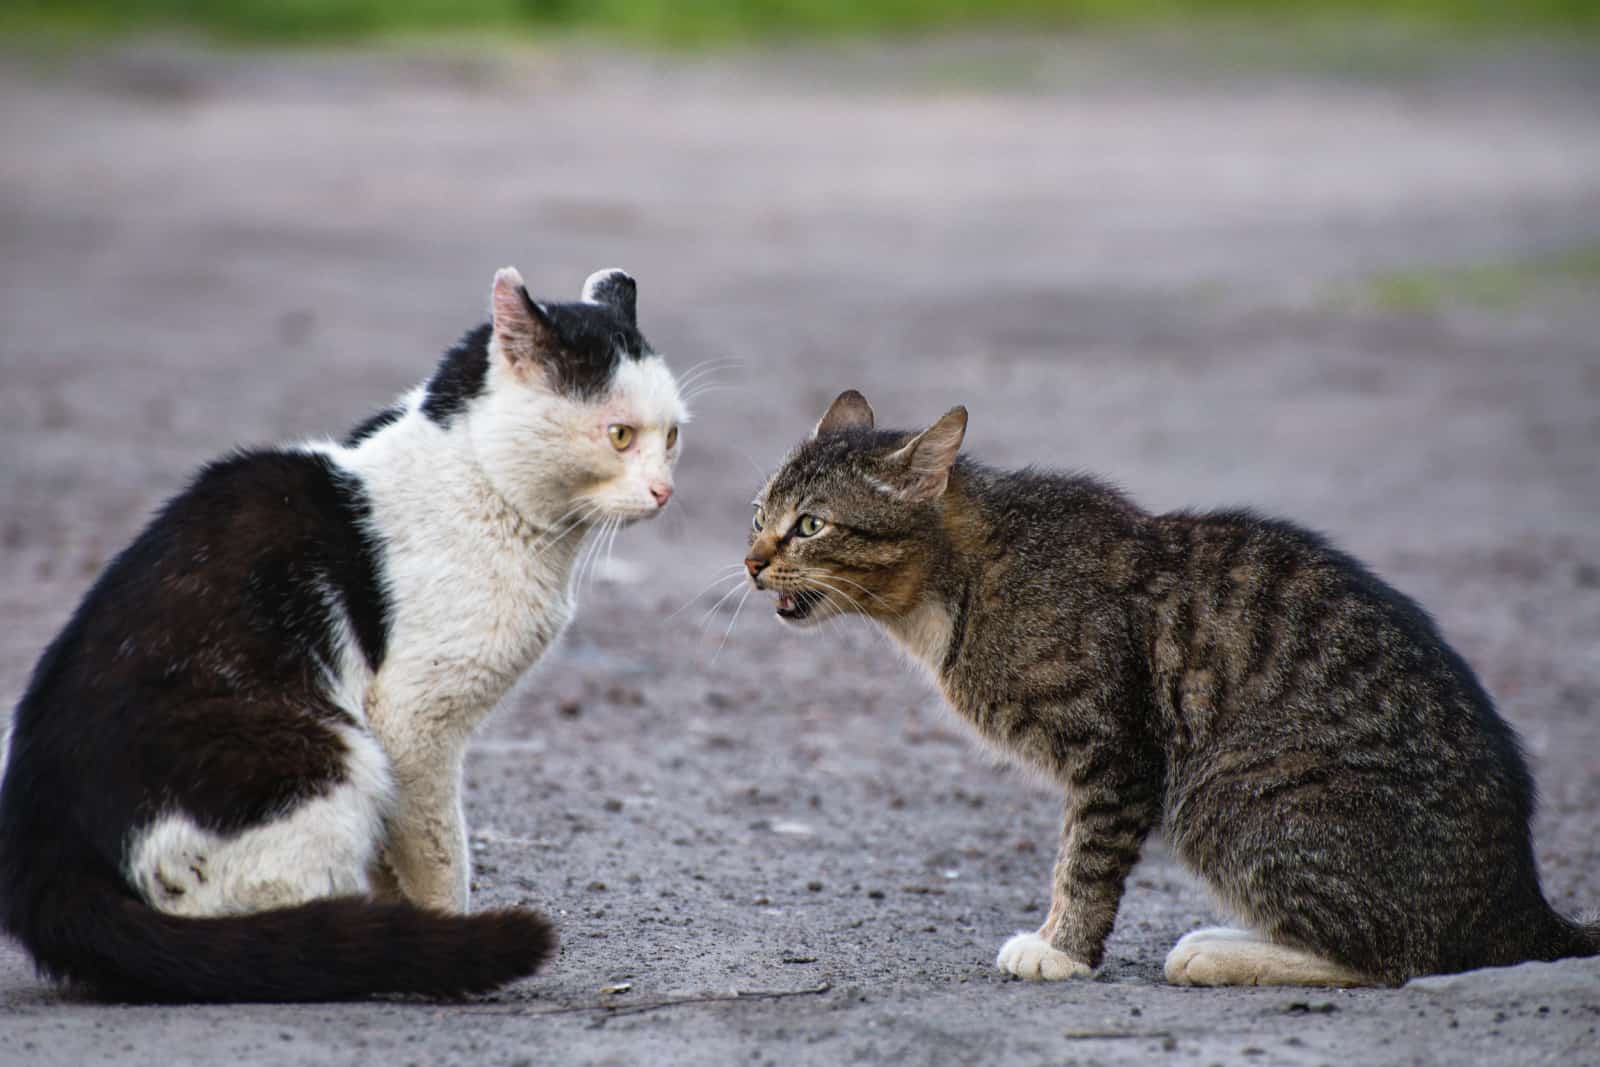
(427, 848)
(425, 857)
(1107, 817)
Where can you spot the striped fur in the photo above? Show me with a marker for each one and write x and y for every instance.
(1300, 731)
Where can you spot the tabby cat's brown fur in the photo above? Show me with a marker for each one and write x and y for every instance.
(1301, 732)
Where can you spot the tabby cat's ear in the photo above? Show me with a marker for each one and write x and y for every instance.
(520, 325)
(926, 459)
(616, 290)
(849, 411)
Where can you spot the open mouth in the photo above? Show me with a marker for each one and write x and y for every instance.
(798, 604)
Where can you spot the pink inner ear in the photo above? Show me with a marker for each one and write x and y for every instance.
(510, 306)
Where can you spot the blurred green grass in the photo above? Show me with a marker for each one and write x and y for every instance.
(700, 22)
(1494, 285)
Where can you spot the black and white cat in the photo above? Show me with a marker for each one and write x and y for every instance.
(236, 774)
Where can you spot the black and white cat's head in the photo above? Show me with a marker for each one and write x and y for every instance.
(575, 413)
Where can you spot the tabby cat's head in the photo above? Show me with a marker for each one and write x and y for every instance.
(849, 523)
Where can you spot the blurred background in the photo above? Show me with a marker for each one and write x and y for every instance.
(1336, 260)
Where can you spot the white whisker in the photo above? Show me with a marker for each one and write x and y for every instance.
(729, 631)
(704, 619)
(735, 572)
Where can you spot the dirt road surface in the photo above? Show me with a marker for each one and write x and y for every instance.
(1359, 294)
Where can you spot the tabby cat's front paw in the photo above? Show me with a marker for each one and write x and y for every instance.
(1030, 956)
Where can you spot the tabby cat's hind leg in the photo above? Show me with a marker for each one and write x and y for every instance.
(1219, 956)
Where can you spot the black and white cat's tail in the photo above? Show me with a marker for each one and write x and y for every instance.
(116, 947)
(1589, 937)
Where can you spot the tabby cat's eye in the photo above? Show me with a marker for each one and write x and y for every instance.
(759, 519)
(809, 525)
(621, 436)
(672, 437)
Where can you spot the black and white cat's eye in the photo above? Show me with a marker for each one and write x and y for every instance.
(621, 436)
(809, 526)
(672, 438)
(759, 519)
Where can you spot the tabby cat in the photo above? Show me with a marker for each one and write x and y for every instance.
(1311, 747)
(236, 774)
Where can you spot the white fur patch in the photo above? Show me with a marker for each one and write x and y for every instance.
(346, 680)
(324, 847)
(646, 386)
(1221, 956)
(1027, 955)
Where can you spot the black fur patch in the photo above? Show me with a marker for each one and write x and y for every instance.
(593, 339)
(618, 291)
(191, 676)
(589, 342)
(375, 422)
(462, 376)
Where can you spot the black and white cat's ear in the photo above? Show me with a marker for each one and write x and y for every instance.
(616, 290)
(849, 411)
(926, 459)
(520, 325)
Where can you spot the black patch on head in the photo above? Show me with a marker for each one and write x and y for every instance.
(619, 292)
(462, 376)
(591, 341)
(374, 423)
(585, 345)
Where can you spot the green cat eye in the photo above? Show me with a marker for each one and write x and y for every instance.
(759, 519)
(809, 525)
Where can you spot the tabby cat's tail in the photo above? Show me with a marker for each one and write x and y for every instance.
(116, 947)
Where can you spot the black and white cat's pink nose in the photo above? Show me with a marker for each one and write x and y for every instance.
(662, 492)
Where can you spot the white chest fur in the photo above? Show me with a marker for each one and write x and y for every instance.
(476, 593)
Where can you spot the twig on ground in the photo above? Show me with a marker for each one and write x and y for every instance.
(1109, 1035)
(610, 1009)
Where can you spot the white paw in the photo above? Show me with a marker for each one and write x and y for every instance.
(1222, 957)
(1187, 963)
(1030, 956)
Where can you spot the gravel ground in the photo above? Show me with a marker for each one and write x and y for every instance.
(1129, 257)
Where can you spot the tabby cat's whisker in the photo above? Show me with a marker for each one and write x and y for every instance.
(729, 631)
(858, 585)
(730, 575)
(706, 618)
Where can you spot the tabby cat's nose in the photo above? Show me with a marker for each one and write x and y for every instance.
(754, 566)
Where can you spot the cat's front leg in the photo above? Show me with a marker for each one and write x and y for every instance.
(427, 848)
(1103, 831)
